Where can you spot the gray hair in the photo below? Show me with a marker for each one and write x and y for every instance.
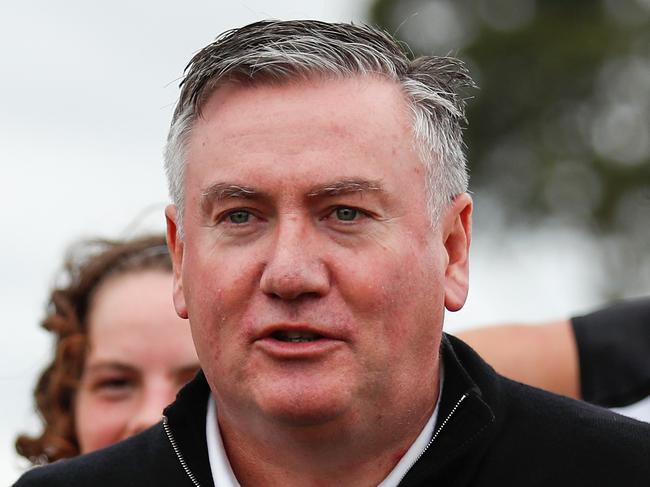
(276, 51)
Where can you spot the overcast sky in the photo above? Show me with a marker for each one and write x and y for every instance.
(87, 90)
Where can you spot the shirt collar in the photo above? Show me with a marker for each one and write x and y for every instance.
(419, 445)
(222, 474)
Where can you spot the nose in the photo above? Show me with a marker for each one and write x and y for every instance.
(155, 397)
(295, 267)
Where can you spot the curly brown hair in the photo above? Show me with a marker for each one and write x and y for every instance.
(87, 265)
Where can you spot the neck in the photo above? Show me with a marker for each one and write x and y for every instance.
(325, 454)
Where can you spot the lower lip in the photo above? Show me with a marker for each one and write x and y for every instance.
(298, 350)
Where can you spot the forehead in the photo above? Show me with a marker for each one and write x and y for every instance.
(343, 127)
(132, 318)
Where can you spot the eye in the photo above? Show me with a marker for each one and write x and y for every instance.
(239, 222)
(347, 214)
(184, 376)
(239, 217)
(113, 388)
(114, 384)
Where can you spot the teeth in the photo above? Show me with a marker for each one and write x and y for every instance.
(296, 336)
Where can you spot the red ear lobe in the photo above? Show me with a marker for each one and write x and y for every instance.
(457, 230)
(176, 248)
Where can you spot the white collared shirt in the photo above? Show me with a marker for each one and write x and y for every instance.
(223, 476)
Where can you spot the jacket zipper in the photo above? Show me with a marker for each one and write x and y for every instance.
(179, 455)
(435, 435)
(189, 473)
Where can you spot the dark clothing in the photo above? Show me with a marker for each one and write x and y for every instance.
(490, 432)
(614, 353)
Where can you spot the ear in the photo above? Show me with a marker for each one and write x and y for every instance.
(457, 235)
(176, 248)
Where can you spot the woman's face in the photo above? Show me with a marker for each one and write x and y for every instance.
(140, 354)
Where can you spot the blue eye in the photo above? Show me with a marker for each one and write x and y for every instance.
(347, 214)
(239, 217)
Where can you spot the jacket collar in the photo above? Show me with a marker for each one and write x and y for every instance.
(186, 422)
(462, 431)
(463, 434)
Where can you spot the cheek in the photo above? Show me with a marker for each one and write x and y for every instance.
(218, 280)
(203, 288)
(383, 288)
(214, 276)
(98, 424)
(401, 311)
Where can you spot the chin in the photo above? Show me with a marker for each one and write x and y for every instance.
(305, 406)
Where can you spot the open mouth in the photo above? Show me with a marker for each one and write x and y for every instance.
(295, 336)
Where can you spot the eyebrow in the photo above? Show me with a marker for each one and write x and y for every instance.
(345, 186)
(109, 365)
(222, 191)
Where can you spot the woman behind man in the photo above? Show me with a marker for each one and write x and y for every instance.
(121, 352)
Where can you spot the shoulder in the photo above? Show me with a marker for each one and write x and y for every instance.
(562, 431)
(632, 312)
(528, 403)
(613, 348)
(535, 437)
(139, 460)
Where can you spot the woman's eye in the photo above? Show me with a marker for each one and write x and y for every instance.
(239, 217)
(117, 389)
(114, 384)
(347, 214)
(185, 376)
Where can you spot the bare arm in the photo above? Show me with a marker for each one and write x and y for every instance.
(543, 356)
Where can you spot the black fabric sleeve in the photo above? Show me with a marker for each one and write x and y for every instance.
(614, 353)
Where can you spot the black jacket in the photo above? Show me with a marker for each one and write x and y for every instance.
(491, 432)
(614, 353)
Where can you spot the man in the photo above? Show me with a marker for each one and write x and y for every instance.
(601, 357)
(321, 225)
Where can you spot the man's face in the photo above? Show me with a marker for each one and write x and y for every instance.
(309, 271)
